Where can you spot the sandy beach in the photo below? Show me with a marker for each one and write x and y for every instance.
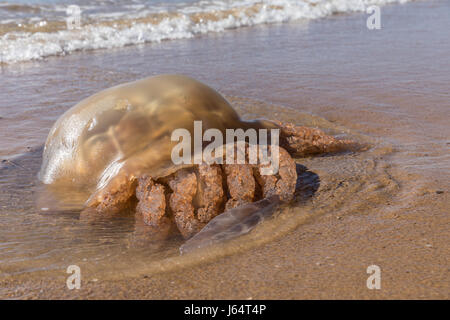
(386, 206)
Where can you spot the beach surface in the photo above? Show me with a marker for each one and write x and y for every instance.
(387, 206)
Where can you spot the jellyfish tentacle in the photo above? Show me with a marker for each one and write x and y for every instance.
(241, 184)
(210, 194)
(184, 187)
(304, 141)
(281, 183)
(152, 201)
(115, 196)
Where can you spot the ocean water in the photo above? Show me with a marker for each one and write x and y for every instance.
(34, 29)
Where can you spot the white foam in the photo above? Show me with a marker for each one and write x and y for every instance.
(23, 46)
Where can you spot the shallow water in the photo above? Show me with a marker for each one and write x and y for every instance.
(386, 87)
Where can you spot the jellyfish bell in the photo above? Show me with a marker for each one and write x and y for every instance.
(127, 129)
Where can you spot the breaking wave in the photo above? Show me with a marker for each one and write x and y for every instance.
(36, 31)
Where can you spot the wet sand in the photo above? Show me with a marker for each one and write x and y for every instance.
(387, 206)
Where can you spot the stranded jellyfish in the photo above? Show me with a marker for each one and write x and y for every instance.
(114, 150)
